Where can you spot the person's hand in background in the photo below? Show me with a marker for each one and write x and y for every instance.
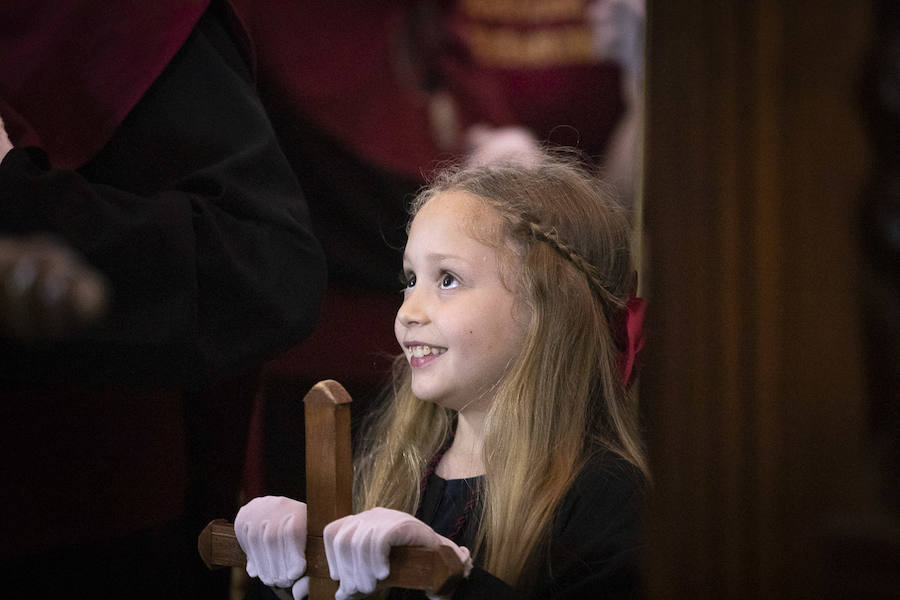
(5, 144)
(486, 145)
(46, 290)
(618, 32)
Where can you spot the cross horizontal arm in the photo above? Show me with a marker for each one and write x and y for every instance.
(434, 570)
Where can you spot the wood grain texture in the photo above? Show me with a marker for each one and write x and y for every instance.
(753, 383)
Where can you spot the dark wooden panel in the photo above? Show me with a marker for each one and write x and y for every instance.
(756, 159)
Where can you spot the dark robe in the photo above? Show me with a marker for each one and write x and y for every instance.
(120, 441)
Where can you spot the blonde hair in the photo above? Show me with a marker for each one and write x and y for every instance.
(562, 399)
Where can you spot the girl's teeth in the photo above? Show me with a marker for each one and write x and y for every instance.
(420, 351)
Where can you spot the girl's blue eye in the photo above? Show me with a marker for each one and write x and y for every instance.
(448, 281)
(409, 280)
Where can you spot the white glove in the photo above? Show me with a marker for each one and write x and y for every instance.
(486, 145)
(5, 144)
(358, 547)
(618, 33)
(272, 532)
(298, 591)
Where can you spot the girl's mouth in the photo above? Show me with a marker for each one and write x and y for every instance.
(421, 354)
(423, 350)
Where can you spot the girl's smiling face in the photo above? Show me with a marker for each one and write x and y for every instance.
(459, 324)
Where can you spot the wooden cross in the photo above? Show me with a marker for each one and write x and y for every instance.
(329, 476)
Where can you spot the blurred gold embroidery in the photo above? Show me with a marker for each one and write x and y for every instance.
(505, 47)
(524, 11)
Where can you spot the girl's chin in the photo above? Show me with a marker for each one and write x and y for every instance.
(426, 395)
(442, 402)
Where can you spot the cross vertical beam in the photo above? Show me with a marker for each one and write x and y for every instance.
(329, 474)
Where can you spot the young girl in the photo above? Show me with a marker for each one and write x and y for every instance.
(509, 431)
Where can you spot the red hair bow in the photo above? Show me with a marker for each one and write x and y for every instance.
(633, 335)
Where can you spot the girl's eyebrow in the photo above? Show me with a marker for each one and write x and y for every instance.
(433, 257)
(437, 256)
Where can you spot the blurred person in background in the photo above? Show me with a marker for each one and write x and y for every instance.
(137, 143)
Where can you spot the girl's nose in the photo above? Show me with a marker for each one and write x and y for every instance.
(412, 311)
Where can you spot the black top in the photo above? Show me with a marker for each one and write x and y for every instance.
(595, 541)
(450, 507)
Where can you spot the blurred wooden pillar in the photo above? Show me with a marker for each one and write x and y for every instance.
(755, 165)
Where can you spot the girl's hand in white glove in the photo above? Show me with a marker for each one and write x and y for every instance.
(272, 532)
(298, 591)
(358, 547)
